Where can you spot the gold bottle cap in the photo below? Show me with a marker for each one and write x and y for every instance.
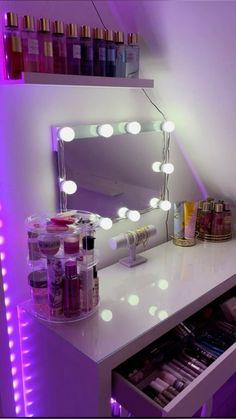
(58, 27)
(85, 31)
(119, 37)
(218, 207)
(11, 20)
(206, 206)
(109, 35)
(132, 38)
(72, 30)
(98, 33)
(28, 23)
(43, 25)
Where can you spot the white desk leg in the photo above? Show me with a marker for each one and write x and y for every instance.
(207, 408)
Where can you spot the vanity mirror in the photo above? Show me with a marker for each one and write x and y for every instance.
(104, 167)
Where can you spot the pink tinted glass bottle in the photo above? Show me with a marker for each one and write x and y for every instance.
(30, 44)
(12, 47)
(45, 46)
(59, 47)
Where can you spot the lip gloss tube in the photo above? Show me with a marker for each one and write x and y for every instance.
(181, 371)
(166, 386)
(167, 395)
(185, 367)
(176, 373)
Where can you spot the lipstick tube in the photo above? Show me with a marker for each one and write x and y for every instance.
(176, 373)
(185, 367)
(181, 371)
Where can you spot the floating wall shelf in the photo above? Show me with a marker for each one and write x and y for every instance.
(71, 80)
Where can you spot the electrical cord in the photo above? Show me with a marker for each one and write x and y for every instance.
(100, 17)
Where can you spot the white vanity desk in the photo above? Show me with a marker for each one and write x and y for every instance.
(72, 363)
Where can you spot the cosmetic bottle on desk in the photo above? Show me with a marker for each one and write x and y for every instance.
(59, 47)
(12, 47)
(73, 50)
(71, 290)
(99, 52)
(217, 220)
(206, 219)
(110, 54)
(132, 56)
(227, 219)
(86, 44)
(30, 44)
(45, 46)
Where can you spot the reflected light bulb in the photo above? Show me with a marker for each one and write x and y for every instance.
(69, 187)
(162, 314)
(154, 202)
(133, 127)
(152, 310)
(163, 284)
(105, 130)
(133, 300)
(133, 215)
(106, 315)
(122, 212)
(167, 168)
(106, 223)
(156, 166)
(165, 205)
(168, 126)
(66, 134)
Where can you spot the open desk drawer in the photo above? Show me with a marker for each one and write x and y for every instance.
(188, 401)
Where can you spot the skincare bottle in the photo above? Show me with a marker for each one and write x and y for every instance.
(132, 56)
(55, 286)
(71, 290)
(59, 48)
(206, 219)
(12, 47)
(217, 220)
(86, 288)
(110, 54)
(45, 46)
(73, 50)
(227, 219)
(30, 44)
(99, 52)
(179, 219)
(120, 54)
(86, 43)
(95, 286)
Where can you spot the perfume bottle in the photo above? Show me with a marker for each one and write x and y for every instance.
(110, 54)
(86, 44)
(99, 52)
(45, 46)
(206, 219)
(30, 44)
(132, 56)
(73, 50)
(199, 212)
(59, 48)
(120, 54)
(71, 290)
(227, 228)
(12, 47)
(217, 220)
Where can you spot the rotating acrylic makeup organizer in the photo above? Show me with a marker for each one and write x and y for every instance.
(62, 265)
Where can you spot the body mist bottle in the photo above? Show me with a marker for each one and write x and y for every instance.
(73, 50)
(45, 46)
(120, 54)
(217, 220)
(99, 52)
(86, 43)
(30, 44)
(132, 56)
(110, 54)
(59, 48)
(12, 47)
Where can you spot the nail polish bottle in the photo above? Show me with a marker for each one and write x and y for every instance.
(99, 52)
(71, 290)
(217, 220)
(86, 43)
(73, 50)
(227, 227)
(30, 44)
(132, 56)
(12, 47)
(45, 46)
(59, 47)
(110, 54)
(120, 54)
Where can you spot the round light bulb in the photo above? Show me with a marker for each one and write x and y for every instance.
(156, 166)
(167, 168)
(66, 134)
(133, 127)
(105, 130)
(106, 315)
(168, 126)
(133, 300)
(122, 212)
(163, 284)
(133, 215)
(165, 205)
(106, 223)
(69, 187)
(152, 310)
(154, 202)
(162, 314)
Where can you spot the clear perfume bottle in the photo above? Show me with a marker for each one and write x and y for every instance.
(12, 47)
(132, 56)
(99, 52)
(110, 54)
(73, 50)
(120, 54)
(86, 43)
(30, 44)
(59, 47)
(45, 46)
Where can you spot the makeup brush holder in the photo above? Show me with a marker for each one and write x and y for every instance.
(62, 265)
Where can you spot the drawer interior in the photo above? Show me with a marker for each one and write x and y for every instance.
(162, 370)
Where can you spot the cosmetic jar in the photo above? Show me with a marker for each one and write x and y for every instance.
(49, 244)
(38, 288)
(71, 244)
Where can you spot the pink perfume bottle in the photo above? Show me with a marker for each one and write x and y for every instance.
(59, 48)
(45, 46)
(206, 219)
(30, 44)
(12, 47)
(217, 220)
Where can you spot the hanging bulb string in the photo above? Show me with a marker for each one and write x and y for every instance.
(100, 17)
